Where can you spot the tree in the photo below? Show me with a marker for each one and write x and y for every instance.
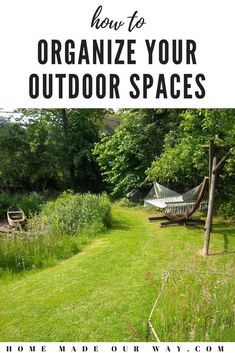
(124, 156)
(13, 157)
(184, 161)
(51, 148)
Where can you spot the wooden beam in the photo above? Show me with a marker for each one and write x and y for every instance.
(219, 146)
(211, 155)
(222, 161)
(210, 211)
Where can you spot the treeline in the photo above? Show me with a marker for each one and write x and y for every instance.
(58, 149)
(51, 149)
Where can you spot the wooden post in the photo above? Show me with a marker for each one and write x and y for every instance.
(210, 209)
(211, 155)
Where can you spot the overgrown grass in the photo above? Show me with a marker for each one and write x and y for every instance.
(72, 213)
(60, 231)
(23, 252)
(202, 308)
(106, 292)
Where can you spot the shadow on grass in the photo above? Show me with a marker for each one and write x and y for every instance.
(224, 231)
(227, 231)
(194, 226)
(226, 243)
(120, 224)
(222, 253)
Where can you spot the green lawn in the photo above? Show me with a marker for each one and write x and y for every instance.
(105, 293)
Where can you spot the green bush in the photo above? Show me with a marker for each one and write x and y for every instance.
(72, 213)
(125, 202)
(226, 210)
(53, 234)
(5, 203)
(30, 203)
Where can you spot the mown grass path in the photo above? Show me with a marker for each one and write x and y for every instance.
(105, 293)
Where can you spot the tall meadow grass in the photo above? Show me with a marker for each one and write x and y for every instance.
(58, 232)
(196, 307)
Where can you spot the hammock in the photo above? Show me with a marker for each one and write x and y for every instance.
(174, 203)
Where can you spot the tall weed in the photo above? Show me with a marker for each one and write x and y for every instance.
(195, 307)
(72, 213)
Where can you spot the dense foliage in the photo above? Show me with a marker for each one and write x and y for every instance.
(51, 148)
(124, 156)
(185, 157)
(184, 160)
(30, 203)
(60, 149)
(58, 232)
(71, 213)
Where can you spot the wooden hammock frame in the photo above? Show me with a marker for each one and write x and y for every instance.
(174, 219)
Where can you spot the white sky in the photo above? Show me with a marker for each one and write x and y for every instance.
(8, 113)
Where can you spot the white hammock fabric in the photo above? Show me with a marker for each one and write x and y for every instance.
(184, 207)
(171, 201)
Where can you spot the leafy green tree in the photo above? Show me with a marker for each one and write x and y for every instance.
(13, 157)
(51, 148)
(43, 159)
(184, 160)
(72, 133)
(124, 156)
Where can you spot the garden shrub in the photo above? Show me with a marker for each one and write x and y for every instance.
(72, 213)
(226, 210)
(30, 203)
(5, 203)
